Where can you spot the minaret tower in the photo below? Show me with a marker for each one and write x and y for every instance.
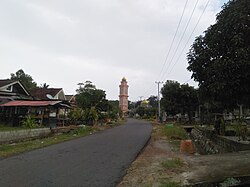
(123, 97)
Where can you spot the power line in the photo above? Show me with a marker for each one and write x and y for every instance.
(181, 38)
(187, 81)
(177, 29)
(190, 36)
(185, 29)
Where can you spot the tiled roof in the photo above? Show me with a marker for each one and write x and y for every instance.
(4, 82)
(41, 93)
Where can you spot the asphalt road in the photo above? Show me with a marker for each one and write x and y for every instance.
(99, 160)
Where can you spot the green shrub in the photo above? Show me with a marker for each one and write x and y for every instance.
(29, 122)
(175, 132)
(81, 131)
(172, 163)
(230, 182)
(170, 184)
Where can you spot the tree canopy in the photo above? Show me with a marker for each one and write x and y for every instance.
(89, 96)
(220, 60)
(25, 79)
(177, 98)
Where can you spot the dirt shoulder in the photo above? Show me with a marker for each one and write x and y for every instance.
(153, 166)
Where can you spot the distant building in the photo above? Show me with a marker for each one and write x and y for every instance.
(123, 97)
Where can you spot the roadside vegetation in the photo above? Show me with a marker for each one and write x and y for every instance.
(170, 184)
(174, 132)
(172, 163)
(10, 149)
(20, 147)
(4, 127)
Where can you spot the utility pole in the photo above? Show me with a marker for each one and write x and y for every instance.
(159, 103)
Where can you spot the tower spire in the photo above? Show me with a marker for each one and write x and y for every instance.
(123, 97)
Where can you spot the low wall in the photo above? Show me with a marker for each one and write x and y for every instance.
(210, 143)
(16, 135)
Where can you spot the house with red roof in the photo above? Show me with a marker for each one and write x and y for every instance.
(45, 105)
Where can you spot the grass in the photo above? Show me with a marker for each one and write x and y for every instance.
(20, 147)
(172, 163)
(9, 128)
(4, 127)
(175, 132)
(16, 148)
(170, 184)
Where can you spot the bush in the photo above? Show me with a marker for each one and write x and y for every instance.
(81, 131)
(29, 122)
(175, 132)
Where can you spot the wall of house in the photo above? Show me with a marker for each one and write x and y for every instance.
(16, 135)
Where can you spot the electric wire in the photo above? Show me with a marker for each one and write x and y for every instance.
(190, 36)
(182, 36)
(187, 81)
(171, 45)
(175, 34)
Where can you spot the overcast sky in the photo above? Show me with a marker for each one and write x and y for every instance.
(65, 42)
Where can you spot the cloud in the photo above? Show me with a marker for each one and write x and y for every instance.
(63, 42)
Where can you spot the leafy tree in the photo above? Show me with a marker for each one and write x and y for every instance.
(113, 113)
(93, 101)
(153, 101)
(178, 98)
(77, 115)
(25, 79)
(220, 60)
(141, 111)
(189, 100)
(89, 96)
(171, 97)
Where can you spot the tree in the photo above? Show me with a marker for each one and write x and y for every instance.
(94, 103)
(153, 101)
(25, 79)
(89, 96)
(189, 100)
(220, 60)
(178, 98)
(170, 97)
(44, 85)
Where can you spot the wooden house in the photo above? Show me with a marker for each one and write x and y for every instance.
(45, 105)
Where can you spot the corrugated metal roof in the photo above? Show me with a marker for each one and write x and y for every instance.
(30, 103)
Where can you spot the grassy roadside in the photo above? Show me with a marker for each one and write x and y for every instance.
(20, 147)
(7, 150)
(7, 128)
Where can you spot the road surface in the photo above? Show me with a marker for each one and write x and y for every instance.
(100, 159)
